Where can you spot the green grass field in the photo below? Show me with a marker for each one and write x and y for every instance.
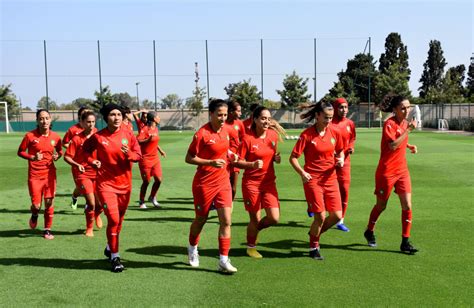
(71, 270)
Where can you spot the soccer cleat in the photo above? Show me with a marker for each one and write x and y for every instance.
(154, 202)
(142, 205)
(316, 254)
(370, 237)
(107, 253)
(89, 232)
(310, 214)
(48, 235)
(406, 246)
(33, 221)
(98, 222)
(117, 267)
(74, 203)
(193, 258)
(342, 227)
(252, 252)
(226, 267)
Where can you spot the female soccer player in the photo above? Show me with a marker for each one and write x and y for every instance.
(74, 130)
(127, 118)
(237, 126)
(348, 134)
(41, 147)
(392, 170)
(116, 148)
(323, 151)
(257, 153)
(150, 165)
(84, 173)
(209, 151)
(142, 120)
(248, 122)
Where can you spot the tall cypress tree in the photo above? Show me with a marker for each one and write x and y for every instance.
(432, 77)
(395, 53)
(470, 79)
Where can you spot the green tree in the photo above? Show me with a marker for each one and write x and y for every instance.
(295, 90)
(470, 80)
(338, 90)
(7, 95)
(147, 104)
(432, 76)
(45, 103)
(393, 80)
(395, 53)
(79, 102)
(103, 98)
(244, 93)
(456, 74)
(449, 92)
(196, 102)
(172, 101)
(355, 79)
(271, 104)
(124, 99)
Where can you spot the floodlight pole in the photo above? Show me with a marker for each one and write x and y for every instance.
(154, 71)
(207, 73)
(261, 66)
(7, 123)
(314, 79)
(138, 100)
(370, 72)
(46, 74)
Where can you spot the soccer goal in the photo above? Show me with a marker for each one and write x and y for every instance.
(4, 121)
(443, 124)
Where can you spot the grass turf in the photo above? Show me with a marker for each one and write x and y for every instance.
(70, 270)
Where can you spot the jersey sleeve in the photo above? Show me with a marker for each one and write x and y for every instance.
(244, 148)
(353, 135)
(134, 154)
(390, 131)
(67, 137)
(71, 149)
(299, 146)
(23, 148)
(339, 146)
(193, 149)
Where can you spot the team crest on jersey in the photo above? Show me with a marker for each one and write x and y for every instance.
(348, 128)
(236, 127)
(105, 206)
(124, 141)
(333, 141)
(53, 143)
(273, 144)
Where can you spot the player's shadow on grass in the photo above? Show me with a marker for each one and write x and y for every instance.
(291, 224)
(28, 211)
(35, 233)
(167, 207)
(162, 219)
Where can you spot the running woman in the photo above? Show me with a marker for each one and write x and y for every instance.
(323, 151)
(117, 148)
(392, 170)
(248, 122)
(347, 129)
(74, 130)
(127, 118)
(237, 126)
(257, 153)
(84, 173)
(142, 120)
(209, 151)
(41, 147)
(150, 165)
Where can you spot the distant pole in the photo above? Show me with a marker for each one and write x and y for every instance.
(314, 79)
(46, 74)
(154, 72)
(261, 66)
(100, 72)
(138, 99)
(370, 72)
(207, 72)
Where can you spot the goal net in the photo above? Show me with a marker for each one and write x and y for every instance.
(5, 125)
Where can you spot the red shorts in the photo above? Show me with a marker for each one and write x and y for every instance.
(220, 196)
(114, 203)
(256, 198)
(85, 185)
(42, 188)
(150, 171)
(385, 183)
(344, 173)
(323, 196)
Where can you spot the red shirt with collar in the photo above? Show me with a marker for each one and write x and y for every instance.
(348, 134)
(77, 153)
(149, 148)
(393, 162)
(74, 130)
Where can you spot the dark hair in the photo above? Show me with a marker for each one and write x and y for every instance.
(106, 109)
(256, 113)
(125, 109)
(40, 111)
(216, 103)
(87, 114)
(320, 106)
(150, 117)
(391, 101)
(232, 105)
(80, 111)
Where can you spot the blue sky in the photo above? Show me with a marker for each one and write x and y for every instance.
(233, 30)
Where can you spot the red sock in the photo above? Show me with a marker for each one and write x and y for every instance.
(224, 246)
(374, 215)
(313, 241)
(89, 218)
(48, 217)
(251, 240)
(262, 224)
(406, 223)
(194, 239)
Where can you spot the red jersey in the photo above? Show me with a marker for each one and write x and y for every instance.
(140, 124)
(247, 123)
(149, 149)
(253, 148)
(319, 151)
(74, 130)
(348, 134)
(393, 162)
(128, 125)
(208, 144)
(115, 172)
(34, 142)
(77, 153)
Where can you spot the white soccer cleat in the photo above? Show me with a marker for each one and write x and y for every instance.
(193, 258)
(142, 205)
(154, 202)
(226, 267)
